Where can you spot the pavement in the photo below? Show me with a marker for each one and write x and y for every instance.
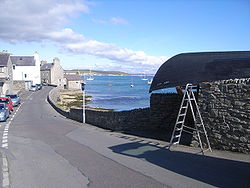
(46, 150)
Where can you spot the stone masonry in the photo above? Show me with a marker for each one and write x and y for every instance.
(225, 108)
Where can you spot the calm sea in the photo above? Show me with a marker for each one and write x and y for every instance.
(115, 92)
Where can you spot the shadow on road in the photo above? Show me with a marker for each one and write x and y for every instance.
(214, 171)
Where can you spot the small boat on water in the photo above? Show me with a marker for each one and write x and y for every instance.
(90, 76)
(150, 81)
(144, 77)
(132, 85)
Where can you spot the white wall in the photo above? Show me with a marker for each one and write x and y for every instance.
(28, 73)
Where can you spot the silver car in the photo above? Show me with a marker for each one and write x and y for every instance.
(33, 88)
(14, 98)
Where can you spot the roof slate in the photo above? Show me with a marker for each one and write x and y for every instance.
(47, 66)
(4, 59)
(200, 67)
(72, 77)
(23, 60)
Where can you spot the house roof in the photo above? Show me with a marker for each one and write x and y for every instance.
(200, 67)
(72, 77)
(23, 60)
(47, 66)
(4, 59)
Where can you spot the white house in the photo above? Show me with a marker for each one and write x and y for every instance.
(26, 68)
(73, 82)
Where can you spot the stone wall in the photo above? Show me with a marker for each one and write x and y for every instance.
(137, 119)
(225, 108)
(18, 86)
(52, 98)
(164, 110)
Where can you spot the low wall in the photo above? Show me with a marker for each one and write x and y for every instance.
(164, 110)
(52, 98)
(137, 119)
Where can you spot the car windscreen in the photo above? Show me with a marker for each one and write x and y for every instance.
(4, 100)
(12, 96)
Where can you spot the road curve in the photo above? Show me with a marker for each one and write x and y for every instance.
(45, 150)
(41, 155)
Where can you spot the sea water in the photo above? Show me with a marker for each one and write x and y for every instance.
(115, 92)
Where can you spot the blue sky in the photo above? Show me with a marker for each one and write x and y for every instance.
(131, 36)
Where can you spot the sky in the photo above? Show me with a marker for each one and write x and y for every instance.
(134, 36)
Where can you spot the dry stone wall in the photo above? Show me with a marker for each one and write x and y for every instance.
(137, 119)
(225, 108)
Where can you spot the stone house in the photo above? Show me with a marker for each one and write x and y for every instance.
(73, 82)
(27, 69)
(52, 73)
(6, 74)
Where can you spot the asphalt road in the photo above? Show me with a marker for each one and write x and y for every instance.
(46, 150)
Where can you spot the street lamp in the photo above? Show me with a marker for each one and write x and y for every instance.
(83, 102)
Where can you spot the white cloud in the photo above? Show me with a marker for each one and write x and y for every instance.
(119, 21)
(113, 20)
(44, 21)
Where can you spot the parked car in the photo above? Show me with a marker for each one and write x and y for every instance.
(8, 102)
(39, 86)
(14, 98)
(33, 88)
(4, 112)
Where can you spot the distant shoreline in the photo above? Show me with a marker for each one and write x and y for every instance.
(104, 73)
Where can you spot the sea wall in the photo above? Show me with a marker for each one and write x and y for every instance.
(52, 98)
(130, 120)
(137, 119)
(164, 110)
(225, 108)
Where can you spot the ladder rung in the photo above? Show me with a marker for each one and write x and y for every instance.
(178, 129)
(207, 149)
(184, 107)
(182, 114)
(189, 127)
(175, 143)
(178, 122)
(177, 136)
(191, 99)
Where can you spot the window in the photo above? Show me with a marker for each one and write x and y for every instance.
(14, 67)
(25, 75)
(1, 69)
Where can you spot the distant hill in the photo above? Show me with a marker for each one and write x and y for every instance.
(98, 72)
